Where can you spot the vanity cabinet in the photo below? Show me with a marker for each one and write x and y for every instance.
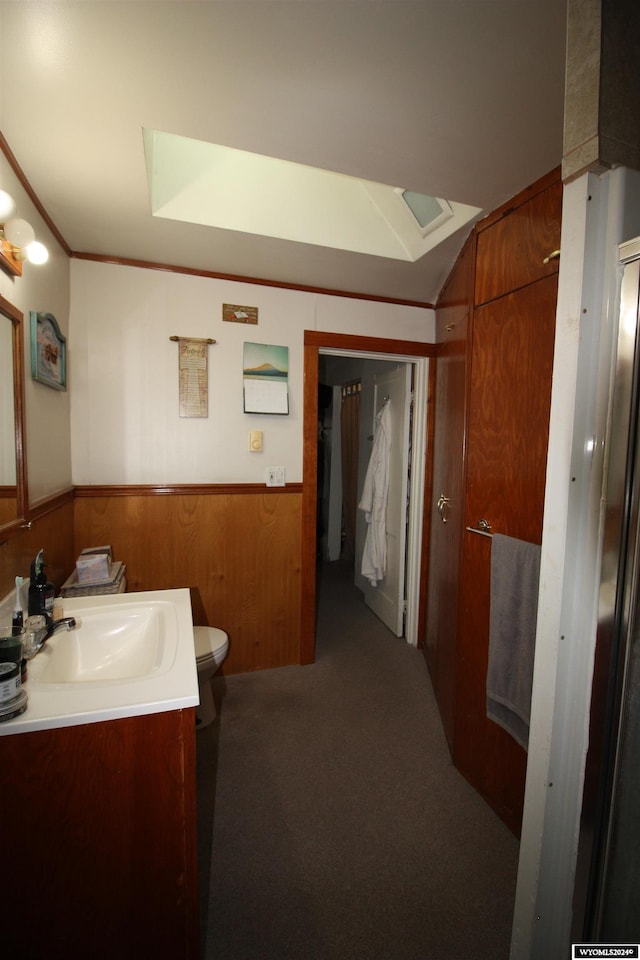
(99, 840)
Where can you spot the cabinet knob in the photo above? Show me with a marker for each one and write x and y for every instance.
(552, 256)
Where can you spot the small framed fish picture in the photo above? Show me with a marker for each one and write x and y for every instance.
(48, 351)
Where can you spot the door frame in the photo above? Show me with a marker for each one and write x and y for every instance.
(393, 600)
(316, 341)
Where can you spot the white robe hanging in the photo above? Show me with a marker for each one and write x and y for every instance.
(374, 500)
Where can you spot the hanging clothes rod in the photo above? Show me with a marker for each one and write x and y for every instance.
(195, 339)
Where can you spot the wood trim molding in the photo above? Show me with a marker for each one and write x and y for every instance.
(8, 261)
(451, 348)
(22, 473)
(426, 516)
(17, 169)
(9, 310)
(554, 176)
(15, 316)
(349, 341)
(181, 489)
(313, 341)
(48, 504)
(236, 278)
(309, 506)
(36, 511)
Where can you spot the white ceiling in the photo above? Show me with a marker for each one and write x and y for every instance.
(461, 99)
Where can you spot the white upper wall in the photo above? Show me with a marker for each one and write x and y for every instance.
(123, 372)
(44, 289)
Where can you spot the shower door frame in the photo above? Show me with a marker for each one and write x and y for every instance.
(618, 612)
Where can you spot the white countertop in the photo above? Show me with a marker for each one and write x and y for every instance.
(174, 687)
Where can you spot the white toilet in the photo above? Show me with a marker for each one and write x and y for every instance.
(212, 645)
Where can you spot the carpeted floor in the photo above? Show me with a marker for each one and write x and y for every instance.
(332, 824)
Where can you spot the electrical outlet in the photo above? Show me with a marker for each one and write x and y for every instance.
(274, 476)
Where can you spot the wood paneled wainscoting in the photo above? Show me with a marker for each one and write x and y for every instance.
(8, 505)
(50, 528)
(237, 547)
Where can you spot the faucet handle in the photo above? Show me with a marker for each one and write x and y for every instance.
(36, 622)
(35, 628)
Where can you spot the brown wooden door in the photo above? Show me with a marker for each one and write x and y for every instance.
(446, 523)
(509, 405)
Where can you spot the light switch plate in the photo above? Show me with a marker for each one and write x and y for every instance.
(274, 476)
(255, 441)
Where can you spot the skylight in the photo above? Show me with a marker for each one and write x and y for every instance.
(428, 211)
(206, 183)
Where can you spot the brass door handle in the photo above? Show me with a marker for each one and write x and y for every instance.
(441, 505)
(552, 256)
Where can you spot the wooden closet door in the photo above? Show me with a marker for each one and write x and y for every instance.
(510, 397)
(515, 248)
(452, 321)
(508, 428)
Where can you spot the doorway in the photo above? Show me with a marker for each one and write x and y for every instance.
(391, 352)
(353, 391)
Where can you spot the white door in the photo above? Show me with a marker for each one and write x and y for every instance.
(387, 598)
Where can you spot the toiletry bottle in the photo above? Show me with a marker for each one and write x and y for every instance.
(47, 592)
(17, 619)
(17, 624)
(34, 605)
(41, 591)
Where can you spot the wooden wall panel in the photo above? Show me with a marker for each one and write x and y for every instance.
(8, 505)
(510, 403)
(50, 529)
(511, 252)
(239, 554)
(485, 753)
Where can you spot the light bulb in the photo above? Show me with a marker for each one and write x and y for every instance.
(36, 252)
(7, 206)
(19, 233)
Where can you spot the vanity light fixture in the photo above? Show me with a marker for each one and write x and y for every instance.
(18, 239)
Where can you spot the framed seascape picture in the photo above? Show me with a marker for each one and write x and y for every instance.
(48, 351)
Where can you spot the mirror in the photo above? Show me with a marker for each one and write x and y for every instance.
(13, 469)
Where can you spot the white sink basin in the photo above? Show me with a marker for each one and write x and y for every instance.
(109, 645)
(131, 654)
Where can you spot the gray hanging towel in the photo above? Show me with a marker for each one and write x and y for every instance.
(515, 575)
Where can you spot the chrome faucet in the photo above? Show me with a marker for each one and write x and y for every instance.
(40, 628)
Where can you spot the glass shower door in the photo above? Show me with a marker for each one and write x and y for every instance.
(613, 903)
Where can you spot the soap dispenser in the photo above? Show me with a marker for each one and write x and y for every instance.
(41, 591)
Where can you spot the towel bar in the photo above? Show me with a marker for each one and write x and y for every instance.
(483, 529)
